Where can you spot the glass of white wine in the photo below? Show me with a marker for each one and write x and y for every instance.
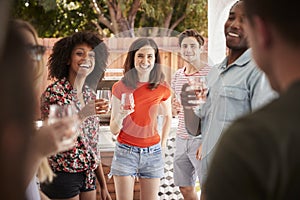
(59, 112)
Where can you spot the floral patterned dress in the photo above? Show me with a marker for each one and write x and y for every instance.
(84, 155)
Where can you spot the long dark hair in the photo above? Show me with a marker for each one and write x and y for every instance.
(59, 59)
(130, 78)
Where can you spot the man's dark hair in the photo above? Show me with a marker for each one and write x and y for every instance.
(191, 33)
(283, 15)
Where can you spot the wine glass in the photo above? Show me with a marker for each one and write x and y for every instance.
(127, 101)
(38, 124)
(106, 95)
(59, 112)
(199, 85)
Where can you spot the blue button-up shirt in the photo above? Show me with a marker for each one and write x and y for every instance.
(234, 90)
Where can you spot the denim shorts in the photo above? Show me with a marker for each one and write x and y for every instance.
(137, 162)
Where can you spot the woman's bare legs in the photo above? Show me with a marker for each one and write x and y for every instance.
(124, 186)
(90, 195)
(149, 188)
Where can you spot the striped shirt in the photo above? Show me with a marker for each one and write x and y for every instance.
(178, 80)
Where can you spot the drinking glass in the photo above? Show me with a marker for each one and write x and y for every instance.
(59, 112)
(106, 95)
(127, 101)
(199, 85)
(38, 124)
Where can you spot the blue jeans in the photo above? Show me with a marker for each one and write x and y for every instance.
(137, 162)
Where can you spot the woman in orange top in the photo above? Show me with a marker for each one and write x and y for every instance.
(138, 148)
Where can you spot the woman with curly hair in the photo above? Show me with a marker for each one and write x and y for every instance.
(77, 63)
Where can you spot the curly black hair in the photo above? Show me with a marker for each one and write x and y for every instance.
(58, 62)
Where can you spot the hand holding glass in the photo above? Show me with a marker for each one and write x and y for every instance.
(199, 85)
(127, 101)
(58, 113)
(104, 95)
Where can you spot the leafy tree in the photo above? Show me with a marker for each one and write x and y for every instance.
(120, 18)
(175, 15)
(58, 18)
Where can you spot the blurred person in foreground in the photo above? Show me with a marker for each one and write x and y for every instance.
(47, 138)
(16, 116)
(77, 63)
(258, 156)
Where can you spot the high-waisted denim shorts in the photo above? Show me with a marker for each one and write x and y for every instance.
(137, 162)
